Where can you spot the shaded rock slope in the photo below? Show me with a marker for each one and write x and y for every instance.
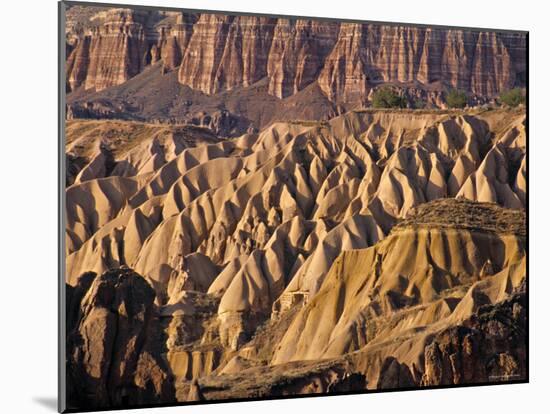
(114, 346)
(379, 249)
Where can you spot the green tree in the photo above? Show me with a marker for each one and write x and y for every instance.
(385, 97)
(513, 97)
(419, 103)
(456, 99)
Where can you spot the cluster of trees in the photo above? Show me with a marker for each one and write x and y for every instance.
(385, 97)
(513, 97)
(456, 98)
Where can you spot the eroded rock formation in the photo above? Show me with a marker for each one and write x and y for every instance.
(215, 53)
(239, 228)
(113, 348)
(110, 53)
(377, 240)
(490, 346)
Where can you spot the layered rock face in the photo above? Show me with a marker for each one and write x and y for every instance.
(365, 55)
(226, 52)
(110, 54)
(173, 41)
(297, 54)
(215, 53)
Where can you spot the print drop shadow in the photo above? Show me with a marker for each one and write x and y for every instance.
(47, 402)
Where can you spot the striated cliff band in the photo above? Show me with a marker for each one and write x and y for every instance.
(217, 70)
(242, 221)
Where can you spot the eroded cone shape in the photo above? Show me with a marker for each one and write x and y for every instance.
(357, 242)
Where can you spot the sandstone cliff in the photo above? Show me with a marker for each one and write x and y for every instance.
(111, 53)
(215, 53)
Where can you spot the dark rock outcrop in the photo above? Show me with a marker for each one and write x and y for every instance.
(490, 347)
(306, 377)
(113, 355)
(394, 375)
